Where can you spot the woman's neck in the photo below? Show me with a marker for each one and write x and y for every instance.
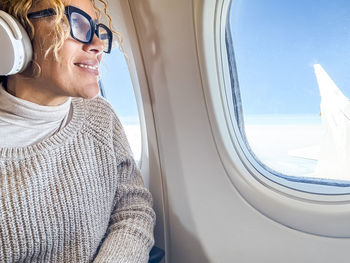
(32, 90)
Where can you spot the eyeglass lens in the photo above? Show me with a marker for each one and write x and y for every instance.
(81, 30)
(103, 35)
(80, 26)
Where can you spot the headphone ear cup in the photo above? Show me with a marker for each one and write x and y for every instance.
(27, 46)
(15, 45)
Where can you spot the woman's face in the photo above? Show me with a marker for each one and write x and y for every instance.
(68, 77)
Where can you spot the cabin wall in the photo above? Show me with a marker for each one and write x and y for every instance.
(205, 218)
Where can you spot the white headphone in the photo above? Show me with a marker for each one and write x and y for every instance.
(15, 46)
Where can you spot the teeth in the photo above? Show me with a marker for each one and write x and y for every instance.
(87, 66)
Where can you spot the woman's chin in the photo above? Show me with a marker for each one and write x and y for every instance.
(90, 92)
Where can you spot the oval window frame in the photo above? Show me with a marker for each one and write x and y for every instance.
(293, 204)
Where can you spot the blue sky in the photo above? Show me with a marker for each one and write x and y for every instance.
(118, 86)
(276, 43)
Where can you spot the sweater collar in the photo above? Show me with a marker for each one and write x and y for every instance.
(22, 110)
(67, 133)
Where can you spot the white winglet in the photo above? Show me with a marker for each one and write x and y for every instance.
(334, 159)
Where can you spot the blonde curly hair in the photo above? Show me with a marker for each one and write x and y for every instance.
(20, 8)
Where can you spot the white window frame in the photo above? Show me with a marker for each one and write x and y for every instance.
(312, 208)
(125, 26)
(149, 161)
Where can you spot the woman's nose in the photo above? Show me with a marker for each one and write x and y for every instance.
(96, 45)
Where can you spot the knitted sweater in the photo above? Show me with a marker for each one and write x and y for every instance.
(77, 196)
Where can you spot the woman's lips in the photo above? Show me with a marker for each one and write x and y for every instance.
(91, 68)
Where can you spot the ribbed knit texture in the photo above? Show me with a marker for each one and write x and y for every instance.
(77, 196)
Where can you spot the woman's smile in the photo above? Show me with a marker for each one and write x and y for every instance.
(89, 67)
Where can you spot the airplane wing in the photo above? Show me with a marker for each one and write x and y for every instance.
(311, 152)
(334, 157)
(333, 154)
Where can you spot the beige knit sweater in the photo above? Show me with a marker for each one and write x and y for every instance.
(76, 196)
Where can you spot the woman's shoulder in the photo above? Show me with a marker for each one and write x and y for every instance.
(102, 122)
(96, 106)
(97, 110)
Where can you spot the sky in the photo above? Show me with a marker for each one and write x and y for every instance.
(118, 87)
(276, 44)
(120, 93)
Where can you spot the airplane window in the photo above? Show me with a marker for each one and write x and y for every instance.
(292, 85)
(117, 88)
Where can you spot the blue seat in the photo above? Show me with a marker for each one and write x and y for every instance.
(156, 255)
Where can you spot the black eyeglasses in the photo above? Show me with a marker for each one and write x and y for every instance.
(82, 27)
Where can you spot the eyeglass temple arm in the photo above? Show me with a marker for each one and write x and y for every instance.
(42, 13)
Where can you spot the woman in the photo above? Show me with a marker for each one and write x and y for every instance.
(69, 188)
